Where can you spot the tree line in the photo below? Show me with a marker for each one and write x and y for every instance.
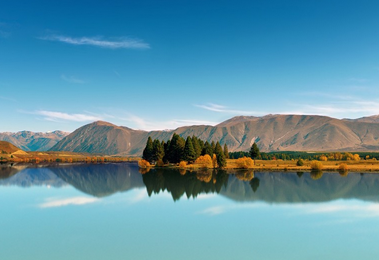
(179, 149)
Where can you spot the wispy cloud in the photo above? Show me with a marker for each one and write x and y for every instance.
(8, 99)
(223, 109)
(116, 43)
(54, 116)
(359, 80)
(72, 79)
(4, 33)
(52, 202)
(355, 209)
(144, 124)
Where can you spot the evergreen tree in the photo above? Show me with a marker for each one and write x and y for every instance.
(158, 151)
(148, 151)
(221, 161)
(176, 149)
(254, 151)
(226, 151)
(213, 145)
(166, 151)
(189, 151)
(207, 149)
(196, 146)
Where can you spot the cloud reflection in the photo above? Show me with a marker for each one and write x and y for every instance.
(52, 203)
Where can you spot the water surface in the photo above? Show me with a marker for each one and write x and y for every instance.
(112, 211)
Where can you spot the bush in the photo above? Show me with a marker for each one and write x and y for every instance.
(245, 163)
(343, 169)
(182, 164)
(300, 162)
(143, 164)
(323, 158)
(204, 161)
(316, 165)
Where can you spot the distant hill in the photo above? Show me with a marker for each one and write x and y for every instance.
(8, 148)
(271, 133)
(31, 141)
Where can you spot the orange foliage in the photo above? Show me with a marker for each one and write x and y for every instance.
(204, 161)
(143, 164)
(245, 162)
(214, 161)
(323, 158)
(182, 164)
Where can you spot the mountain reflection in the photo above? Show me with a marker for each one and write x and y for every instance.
(101, 180)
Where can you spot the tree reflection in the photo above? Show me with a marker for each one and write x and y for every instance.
(192, 183)
(254, 183)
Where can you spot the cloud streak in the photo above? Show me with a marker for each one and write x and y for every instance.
(117, 43)
(72, 79)
(223, 109)
(54, 116)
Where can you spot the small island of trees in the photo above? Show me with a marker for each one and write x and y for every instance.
(185, 151)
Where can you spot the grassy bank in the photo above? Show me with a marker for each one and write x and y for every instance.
(291, 165)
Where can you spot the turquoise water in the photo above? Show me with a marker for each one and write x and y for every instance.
(111, 211)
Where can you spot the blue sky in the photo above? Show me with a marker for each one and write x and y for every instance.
(162, 64)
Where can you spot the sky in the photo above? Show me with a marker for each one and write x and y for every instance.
(163, 64)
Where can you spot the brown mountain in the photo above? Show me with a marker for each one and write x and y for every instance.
(271, 133)
(8, 148)
(31, 141)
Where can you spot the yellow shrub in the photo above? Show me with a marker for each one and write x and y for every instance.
(182, 164)
(204, 161)
(316, 165)
(323, 158)
(356, 157)
(245, 163)
(343, 169)
(143, 164)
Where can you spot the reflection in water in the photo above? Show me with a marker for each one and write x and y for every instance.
(192, 183)
(101, 180)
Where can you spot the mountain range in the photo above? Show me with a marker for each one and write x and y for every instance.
(270, 132)
(31, 141)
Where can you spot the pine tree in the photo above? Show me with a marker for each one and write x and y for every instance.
(166, 151)
(207, 149)
(158, 151)
(213, 145)
(221, 161)
(176, 149)
(148, 151)
(189, 151)
(196, 146)
(226, 151)
(254, 151)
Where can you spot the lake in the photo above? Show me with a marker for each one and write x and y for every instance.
(112, 211)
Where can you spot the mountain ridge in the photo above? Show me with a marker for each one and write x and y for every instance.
(270, 132)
